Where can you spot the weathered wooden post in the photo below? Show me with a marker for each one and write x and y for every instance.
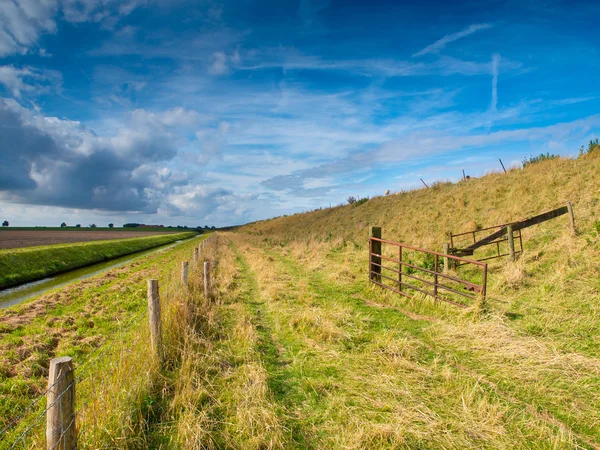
(446, 259)
(60, 418)
(571, 217)
(195, 254)
(207, 279)
(511, 242)
(184, 274)
(400, 266)
(375, 269)
(154, 317)
(435, 275)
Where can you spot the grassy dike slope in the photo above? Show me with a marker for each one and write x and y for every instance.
(33, 263)
(349, 365)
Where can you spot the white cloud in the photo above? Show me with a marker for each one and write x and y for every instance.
(22, 22)
(441, 43)
(28, 80)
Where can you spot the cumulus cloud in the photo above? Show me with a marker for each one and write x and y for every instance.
(49, 161)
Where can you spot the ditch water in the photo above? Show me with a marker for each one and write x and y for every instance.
(15, 295)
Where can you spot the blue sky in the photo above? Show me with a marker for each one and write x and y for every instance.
(224, 112)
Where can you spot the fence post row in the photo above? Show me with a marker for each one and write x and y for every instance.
(61, 427)
(60, 416)
(154, 317)
(375, 261)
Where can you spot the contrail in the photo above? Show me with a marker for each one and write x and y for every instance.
(495, 64)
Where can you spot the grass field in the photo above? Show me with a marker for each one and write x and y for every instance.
(298, 351)
(32, 263)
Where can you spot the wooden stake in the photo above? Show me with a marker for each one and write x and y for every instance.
(446, 259)
(60, 418)
(464, 176)
(436, 264)
(424, 183)
(571, 217)
(374, 259)
(154, 317)
(502, 165)
(511, 242)
(184, 274)
(195, 254)
(207, 279)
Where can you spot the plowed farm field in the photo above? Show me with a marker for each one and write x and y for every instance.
(29, 238)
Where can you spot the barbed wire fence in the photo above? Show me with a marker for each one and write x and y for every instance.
(65, 413)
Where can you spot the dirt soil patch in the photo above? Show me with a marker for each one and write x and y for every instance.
(30, 238)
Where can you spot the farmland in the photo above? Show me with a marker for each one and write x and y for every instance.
(296, 349)
(11, 238)
(20, 265)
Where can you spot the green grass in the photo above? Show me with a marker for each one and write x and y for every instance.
(32, 263)
(84, 320)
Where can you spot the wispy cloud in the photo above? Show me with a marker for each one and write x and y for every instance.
(495, 64)
(441, 43)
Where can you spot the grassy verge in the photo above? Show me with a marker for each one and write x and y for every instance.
(32, 263)
(102, 323)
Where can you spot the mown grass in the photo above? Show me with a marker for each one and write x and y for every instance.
(32, 263)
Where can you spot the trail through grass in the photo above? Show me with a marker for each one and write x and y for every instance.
(365, 376)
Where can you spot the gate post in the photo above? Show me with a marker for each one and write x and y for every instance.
(511, 242)
(374, 258)
(446, 259)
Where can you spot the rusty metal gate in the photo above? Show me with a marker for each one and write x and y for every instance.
(434, 278)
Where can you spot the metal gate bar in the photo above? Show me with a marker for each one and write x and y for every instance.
(376, 265)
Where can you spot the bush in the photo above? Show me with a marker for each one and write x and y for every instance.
(537, 159)
(593, 145)
(351, 200)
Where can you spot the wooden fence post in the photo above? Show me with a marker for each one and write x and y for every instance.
(60, 418)
(375, 261)
(195, 254)
(184, 274)
(446, 259)
(511, 242)
(154, 316)
(207, 279)
(571, 217)
(435, 276)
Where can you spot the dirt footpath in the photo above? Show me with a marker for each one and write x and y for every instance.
(28, 238)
